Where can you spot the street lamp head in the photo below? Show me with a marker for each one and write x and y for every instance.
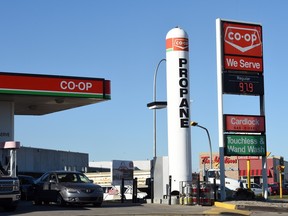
(193, 123)
(157, 105)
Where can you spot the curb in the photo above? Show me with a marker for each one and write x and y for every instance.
(226, 209)
(250, 208)
(225, 205)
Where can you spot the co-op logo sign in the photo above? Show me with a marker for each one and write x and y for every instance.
(181, 44)
(75, 86)
(242, 40)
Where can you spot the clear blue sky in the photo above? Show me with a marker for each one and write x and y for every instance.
(123, 41)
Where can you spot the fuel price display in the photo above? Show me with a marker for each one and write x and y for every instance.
(243, 84)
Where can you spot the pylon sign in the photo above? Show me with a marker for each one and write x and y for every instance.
(240, 55)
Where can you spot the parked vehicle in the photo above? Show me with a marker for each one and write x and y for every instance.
(256, 188)
(129, 193)
(285, 188)
(274, 189)
(9, 182)
(67, 187)
(230, 184)
(111, 193)
(235, 189)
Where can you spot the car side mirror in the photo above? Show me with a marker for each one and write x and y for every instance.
(91, 181)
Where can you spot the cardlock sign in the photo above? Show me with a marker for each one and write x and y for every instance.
(244, 123)
(242, 47)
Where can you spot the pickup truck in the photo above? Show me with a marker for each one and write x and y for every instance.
(9, 182)
(9, 192)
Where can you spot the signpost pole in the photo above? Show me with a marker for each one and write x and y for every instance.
(264, 158)
(280, 182)
(248, 174)
(220, 109)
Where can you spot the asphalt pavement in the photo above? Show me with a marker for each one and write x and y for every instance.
(252, 208)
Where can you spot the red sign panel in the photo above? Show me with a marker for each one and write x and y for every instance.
(242, 39)
(243, 63)
(244, 123)
(37, 84)
(242, 46)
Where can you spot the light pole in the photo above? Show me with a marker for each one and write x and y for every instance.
(197, 125)
(155, 105)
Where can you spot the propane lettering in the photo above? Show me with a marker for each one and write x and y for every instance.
(184, 104)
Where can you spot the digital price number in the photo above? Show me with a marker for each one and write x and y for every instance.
(246, 87)
(243, 84)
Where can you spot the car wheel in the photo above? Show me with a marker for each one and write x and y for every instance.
(46, 202)
(97, 204)
(37, 201)
(60, 200)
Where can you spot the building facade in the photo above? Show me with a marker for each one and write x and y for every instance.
(236, 167)
(36, 161)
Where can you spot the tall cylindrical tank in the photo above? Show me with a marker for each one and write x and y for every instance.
(178, 103)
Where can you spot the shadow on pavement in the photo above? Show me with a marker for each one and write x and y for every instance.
(25, 207)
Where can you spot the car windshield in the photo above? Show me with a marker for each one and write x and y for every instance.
(72, 178)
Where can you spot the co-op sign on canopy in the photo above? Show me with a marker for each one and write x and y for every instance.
(242, 47)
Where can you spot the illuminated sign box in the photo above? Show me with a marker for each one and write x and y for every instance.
(245, 145)
(244, 123)
(242, 47)
(242, 84)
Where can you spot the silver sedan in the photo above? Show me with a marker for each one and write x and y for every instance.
(67, 187)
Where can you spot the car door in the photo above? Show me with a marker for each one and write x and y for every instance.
(50, 188)
(40, 193)
(257, 189)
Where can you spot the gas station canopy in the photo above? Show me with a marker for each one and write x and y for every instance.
(43, 94)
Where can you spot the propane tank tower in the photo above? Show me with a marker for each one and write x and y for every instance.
(178, 103)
